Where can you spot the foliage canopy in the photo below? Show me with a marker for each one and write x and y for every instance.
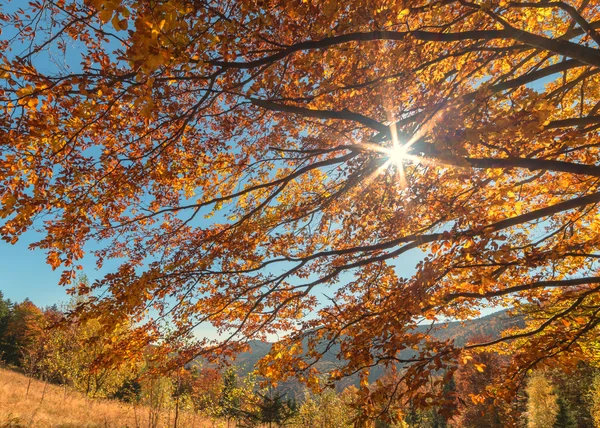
(244, 158)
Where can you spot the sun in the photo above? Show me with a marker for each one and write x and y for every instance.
(397, 155)
(395, 158)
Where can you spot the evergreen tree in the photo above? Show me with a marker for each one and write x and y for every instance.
(274, 408)
(230, 400)
(565, 417)
(5, 313)
(573, 396)
(5, 306)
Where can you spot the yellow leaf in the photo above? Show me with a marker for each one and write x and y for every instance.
(25, 91)
(105, 15)
(519, 207)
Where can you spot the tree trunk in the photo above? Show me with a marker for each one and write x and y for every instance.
(176, 413)
(44, 390)
(28, 386)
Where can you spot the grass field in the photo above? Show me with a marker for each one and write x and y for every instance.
(52, 406)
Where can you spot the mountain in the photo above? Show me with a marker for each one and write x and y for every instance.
(490, 326)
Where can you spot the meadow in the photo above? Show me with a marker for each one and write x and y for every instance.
(26, 402)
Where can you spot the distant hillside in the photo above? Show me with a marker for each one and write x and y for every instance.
(488, 326)
(491, 325)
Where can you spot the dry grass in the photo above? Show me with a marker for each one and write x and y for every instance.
(53, 406)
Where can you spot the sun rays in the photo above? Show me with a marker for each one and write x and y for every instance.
(402, 150)
(396, 155)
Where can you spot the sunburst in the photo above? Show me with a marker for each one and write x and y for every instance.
(396, 155)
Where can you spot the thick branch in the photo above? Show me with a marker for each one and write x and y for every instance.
(545, 212)
(536, 164)
(322, 114)
(364, 37)
(575, 121)
(522, 287)
(568, 49)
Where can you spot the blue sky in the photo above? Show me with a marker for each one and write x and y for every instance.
(24, 273)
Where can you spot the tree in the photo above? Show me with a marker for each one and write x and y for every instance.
(76, 353)
(207, 384)
(5, 312)
(573, 390)
(542, 403)
(5, 306)
(274, 410)
(17, 341)
(325, 410)
(594, 401)
(230, 399)
(241, 159)
(475, 382)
